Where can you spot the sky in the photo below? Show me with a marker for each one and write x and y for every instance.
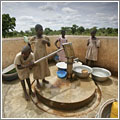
(62, 14)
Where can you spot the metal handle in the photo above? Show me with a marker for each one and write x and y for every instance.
(48, 55)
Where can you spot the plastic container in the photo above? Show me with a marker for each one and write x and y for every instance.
(61, 74)
(114, 110)
(105, 109)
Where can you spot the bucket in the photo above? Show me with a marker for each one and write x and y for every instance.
(106, 110)
(114, 110)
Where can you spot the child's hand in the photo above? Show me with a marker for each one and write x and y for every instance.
(31, 64)
(46, 42)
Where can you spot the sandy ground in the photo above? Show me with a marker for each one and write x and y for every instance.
(15, 106)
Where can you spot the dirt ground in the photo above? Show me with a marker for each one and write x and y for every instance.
(14, 104)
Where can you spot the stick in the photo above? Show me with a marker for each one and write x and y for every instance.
(48, 55)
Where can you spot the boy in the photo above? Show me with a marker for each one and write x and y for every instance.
(61, 40)
(92, 49)
(41, 69)
(23, 62)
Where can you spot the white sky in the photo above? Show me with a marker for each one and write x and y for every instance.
(60, 14)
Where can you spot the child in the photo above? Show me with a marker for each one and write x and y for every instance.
(92, 49)
(41, 69)
(61, 40)
(23, 62)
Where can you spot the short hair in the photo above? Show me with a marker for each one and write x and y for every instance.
(38, 26)
(62, 31)
(26, 49)
(93, 32)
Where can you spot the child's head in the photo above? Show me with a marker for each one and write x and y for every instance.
(26, 51)
(93, 33)
(63, 32)
(39, 29)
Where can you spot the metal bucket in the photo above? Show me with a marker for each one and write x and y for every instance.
(105, 109)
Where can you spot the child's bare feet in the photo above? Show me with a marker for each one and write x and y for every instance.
(38, 84)
(27, 97)
(32, 94)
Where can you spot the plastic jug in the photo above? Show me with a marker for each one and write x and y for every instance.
(114, 110)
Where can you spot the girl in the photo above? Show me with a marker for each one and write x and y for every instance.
(61, 40)
(92, 49)
(41, 69)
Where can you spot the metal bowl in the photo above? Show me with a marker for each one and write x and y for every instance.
(105, 109)
(100, 74)
(63, 65)
(78, 71)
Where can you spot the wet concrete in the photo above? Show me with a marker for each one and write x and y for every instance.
(66, 91)
(15, 106)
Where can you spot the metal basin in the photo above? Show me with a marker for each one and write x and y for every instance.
(100, 74)
(105, 109)
(63, 65)
(78, 71)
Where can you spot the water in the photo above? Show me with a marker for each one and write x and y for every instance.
(100, 74)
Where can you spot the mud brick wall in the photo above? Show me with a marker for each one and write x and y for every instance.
(107, 57)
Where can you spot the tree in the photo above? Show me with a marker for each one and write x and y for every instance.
(27, 33)
(15, 33)
(87, 31)
(74, 28)
(109, 30)
(32, 31)
(102, 30)
(47, 31)
(21, 33)
(116, 30)
(66, 29)
(94, 28)
(80, 29)
(8, 24)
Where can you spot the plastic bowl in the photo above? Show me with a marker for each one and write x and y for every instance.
(61, 73)
(61, 65)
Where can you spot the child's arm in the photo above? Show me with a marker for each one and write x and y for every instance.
(97, 43)
(31, 41)
(87, 42)
(25, 66)
(56, 44)
(46, 41)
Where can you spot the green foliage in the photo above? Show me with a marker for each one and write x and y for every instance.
(74, 29)
(8, 24)
(47, 31)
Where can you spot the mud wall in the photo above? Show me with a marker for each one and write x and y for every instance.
(107, 57)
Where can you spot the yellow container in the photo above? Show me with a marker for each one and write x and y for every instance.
(114, 110)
